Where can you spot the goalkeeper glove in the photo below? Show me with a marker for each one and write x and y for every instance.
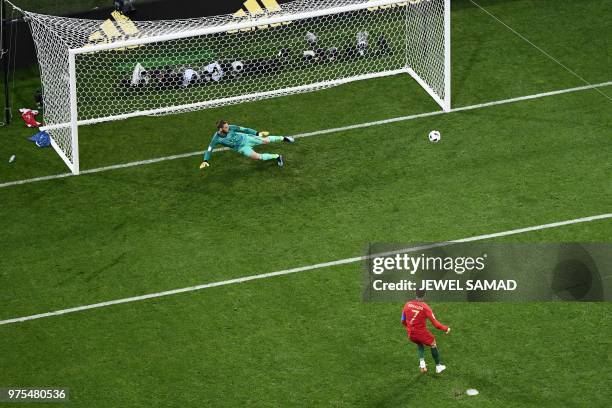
(204, 165)
(263, 134)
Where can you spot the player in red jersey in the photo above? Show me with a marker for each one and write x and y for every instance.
(414, 317)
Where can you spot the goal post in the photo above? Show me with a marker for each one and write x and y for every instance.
(94, 71)
(74, 114)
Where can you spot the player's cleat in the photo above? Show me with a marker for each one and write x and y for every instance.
(280, 161)
(440, 368)
(423, 366)
(204, 165)
(289, 139)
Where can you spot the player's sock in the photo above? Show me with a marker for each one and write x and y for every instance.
(421, 351)
(268, 156)
(274, 139)
(436, 355)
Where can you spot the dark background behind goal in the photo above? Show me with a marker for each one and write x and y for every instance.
(23, 54)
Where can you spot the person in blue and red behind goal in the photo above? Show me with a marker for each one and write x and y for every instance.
(414, 317)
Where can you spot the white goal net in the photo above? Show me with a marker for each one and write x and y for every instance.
(97, 71)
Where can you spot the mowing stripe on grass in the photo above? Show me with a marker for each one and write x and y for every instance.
(317, 133)
(522, 37)
(460, 109)
(301, 269)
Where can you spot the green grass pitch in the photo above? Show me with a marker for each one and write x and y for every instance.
(308, 339)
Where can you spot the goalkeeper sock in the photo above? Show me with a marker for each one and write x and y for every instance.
(436, 355)
(274, 139)
(421, 351)
(268, 156)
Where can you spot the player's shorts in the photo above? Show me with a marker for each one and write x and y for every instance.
(425, 338)
(247, 148)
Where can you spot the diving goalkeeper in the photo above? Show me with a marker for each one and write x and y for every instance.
(242, 140)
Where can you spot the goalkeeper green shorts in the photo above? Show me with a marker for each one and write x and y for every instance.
(247, 148)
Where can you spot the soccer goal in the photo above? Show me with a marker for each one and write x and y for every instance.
(99, 71)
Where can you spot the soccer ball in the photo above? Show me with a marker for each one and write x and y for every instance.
(311, 38)
(434, 136)
(237, 67)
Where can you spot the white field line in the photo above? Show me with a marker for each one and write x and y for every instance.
(318, 132)
(301, 269)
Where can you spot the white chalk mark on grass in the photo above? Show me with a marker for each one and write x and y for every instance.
(300, 269)
(316, 133)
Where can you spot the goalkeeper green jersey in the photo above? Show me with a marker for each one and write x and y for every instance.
(235, 139)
